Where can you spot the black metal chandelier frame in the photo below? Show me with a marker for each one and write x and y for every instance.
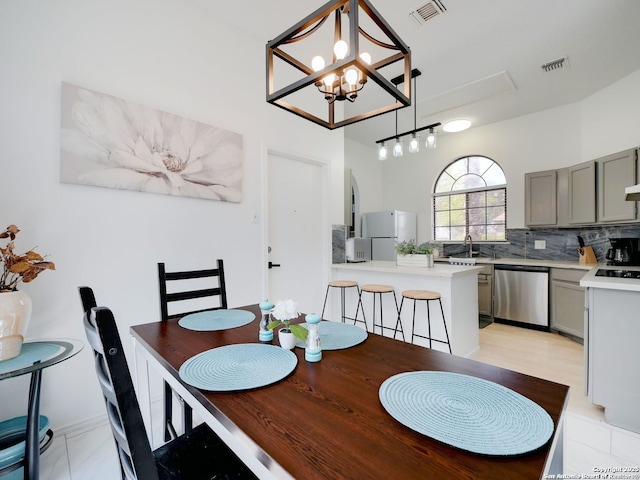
(309, 25)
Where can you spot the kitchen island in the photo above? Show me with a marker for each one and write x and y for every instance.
(612, 356)
(457, 284)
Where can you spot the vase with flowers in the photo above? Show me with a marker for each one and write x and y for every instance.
(283, 312)
(15, 305)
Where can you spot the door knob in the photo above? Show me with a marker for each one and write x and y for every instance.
(272, 265)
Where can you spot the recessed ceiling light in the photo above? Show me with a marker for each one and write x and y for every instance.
(456, 125)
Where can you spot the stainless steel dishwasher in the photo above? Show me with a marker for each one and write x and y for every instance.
(521, 295)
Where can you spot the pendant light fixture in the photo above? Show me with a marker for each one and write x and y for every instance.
(414, 143)
(357, 57)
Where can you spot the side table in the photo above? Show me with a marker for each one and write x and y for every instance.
(34, 357)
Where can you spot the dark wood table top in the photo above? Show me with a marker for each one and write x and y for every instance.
(325, 420)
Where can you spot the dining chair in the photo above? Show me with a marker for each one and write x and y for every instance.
(178, 289)
(198, 454)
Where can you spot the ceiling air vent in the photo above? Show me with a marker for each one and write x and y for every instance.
(556, 64)
(427, 11)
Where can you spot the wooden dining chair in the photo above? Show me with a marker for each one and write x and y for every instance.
(198, 454)
(177, 289)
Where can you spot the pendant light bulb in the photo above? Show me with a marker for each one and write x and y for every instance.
(431, 138)
(366, 58)
(398, 148)
(382, 152)
(317, 63)
(340, 49)
(414, 144)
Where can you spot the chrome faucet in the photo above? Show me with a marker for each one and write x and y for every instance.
(468, 237)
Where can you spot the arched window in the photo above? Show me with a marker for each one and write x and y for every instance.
(470, 198)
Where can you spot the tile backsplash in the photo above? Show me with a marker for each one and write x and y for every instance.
(561, 243)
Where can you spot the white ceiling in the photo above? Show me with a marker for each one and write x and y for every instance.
(481, 60)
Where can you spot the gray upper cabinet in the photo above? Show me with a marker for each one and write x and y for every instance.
(582, 193)
(540, 199)
(615, 173)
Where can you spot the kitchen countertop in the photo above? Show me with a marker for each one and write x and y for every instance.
(612, 283)
(438, 270)
(524, 261)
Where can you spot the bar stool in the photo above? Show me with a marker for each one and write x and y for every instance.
(377, 289)
(428, 296)
(343, 285)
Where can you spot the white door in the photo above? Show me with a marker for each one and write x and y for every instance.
(295, 213)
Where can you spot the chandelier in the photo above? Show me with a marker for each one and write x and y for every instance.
(356, 56)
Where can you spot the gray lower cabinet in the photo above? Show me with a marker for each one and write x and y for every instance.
(485, 291)
(567, 302)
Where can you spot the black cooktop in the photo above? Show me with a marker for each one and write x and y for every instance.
(618, 273)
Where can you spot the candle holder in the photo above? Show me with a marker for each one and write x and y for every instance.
(266, 335)
(313, 347)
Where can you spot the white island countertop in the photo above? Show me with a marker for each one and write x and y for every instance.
(590, 280)
(438, 270)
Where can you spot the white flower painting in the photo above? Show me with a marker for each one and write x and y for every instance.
(110, 142)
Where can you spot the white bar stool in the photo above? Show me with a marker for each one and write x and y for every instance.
(428, 296)
(377, 289)
(343, 285)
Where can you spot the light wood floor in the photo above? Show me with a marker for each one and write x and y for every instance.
(540, 354)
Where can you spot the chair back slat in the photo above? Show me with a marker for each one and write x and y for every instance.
(136, 457)
(173, 293)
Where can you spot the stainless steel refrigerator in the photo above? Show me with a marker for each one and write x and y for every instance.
(386, 229)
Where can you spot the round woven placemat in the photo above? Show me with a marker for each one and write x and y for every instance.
(466, 412)
(30, 354)
(211, 320)
(337, 335)
(238, 367)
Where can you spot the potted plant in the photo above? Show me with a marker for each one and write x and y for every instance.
(284, 312)
(15, 305)
(412, 254)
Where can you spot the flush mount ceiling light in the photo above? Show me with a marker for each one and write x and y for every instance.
(414, 143)
(356, 56)
(454, 126)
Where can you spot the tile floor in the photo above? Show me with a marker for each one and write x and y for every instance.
(590, 443)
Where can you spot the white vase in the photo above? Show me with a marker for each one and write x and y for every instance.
(287, 339)
(15, 313)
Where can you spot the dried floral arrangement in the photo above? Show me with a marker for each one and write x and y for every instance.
(19, 268)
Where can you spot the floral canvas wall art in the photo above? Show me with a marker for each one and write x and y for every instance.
(110, 142)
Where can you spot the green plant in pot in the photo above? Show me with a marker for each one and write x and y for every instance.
(411, 248)
(15, 305)
(283, 312)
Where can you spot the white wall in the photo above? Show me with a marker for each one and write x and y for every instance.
(367, 170)
(166, 54)
(604, 123)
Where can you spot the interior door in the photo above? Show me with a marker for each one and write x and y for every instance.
(295, 213)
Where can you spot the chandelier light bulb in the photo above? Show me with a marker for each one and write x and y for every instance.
(414, 144)
(382, 152)
(340, 49)
(397, 148)
(329, 79)
(351, 76)
(317, 63)
(366, 58)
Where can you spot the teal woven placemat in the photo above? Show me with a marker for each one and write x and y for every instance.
(238, 367)
(216, 320)
(337, 335)
(466, 412)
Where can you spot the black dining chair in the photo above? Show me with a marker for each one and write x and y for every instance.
(198, 454)
(178, 289)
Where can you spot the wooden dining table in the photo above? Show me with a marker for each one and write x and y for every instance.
(325, 420)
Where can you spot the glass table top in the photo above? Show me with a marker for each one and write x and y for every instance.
(36, 355)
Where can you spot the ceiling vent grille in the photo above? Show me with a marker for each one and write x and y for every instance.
(555, 64)
(427, 11)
